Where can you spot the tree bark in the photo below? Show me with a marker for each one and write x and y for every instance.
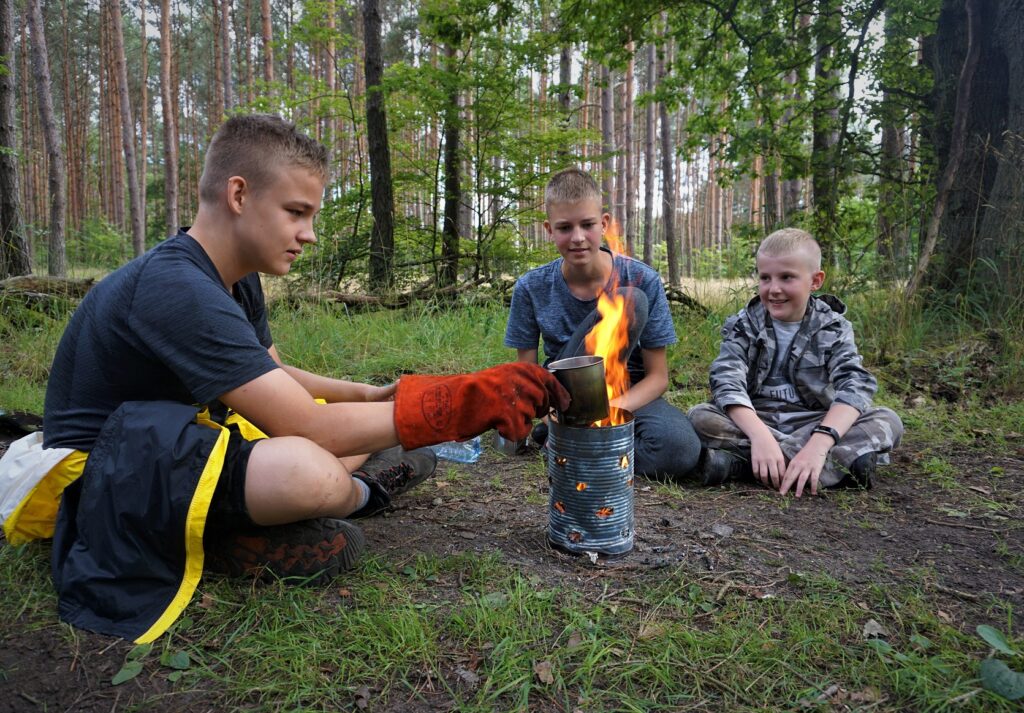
(825, 120)
(630, 177)
(976, 222)
(143, 115)
(225, 53)
(668, 184)
(382, 234)
(452, 180)
(170, 122)
(607, 139)
(14, 257)
(268, 44)
(127, 133)
(56, 260)
(650, 128)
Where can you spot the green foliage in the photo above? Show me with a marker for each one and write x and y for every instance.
(99, 244)
(996, 675)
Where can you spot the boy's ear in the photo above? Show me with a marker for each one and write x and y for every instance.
(547, 227)
(606, 220)
(817, 280)
(237, 194)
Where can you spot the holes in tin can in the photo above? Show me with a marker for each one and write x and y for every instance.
(629, 483)
(624, 461)
(575, 536)
(558, 506)
(560, 460)
(605, 512)
(581, 487)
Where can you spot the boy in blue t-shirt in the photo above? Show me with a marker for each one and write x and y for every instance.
(558, 303)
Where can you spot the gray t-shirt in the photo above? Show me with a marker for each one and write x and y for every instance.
(544, 308)
(777, 387)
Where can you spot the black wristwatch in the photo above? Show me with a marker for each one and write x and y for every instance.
(828, 431)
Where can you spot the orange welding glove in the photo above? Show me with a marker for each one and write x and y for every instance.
(434, 409)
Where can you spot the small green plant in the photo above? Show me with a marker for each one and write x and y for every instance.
(996, 675)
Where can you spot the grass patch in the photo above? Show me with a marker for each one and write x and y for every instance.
(493, 639)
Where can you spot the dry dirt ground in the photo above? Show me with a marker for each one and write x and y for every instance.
(959, 545)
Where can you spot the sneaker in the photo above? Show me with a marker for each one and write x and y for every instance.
(861, 472)
(315, 550)
(717, 466)
(392, 472)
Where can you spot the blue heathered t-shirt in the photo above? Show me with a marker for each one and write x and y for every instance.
(162, 327)
(543, 307)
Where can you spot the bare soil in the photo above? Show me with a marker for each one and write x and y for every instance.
(960, 545)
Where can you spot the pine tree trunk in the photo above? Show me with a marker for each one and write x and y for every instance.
(225, 54)
(268, 44)
(452, 182)
(170, 122)
(127, 141)
(825, 120)
(607, 140)
(650, 127)
(14, 257)
(382, 239)
(668, 185)
(143, 119)
(630, 177)
(56, 259)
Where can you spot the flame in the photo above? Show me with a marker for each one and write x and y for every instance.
(624, 462)
(581, 486)
(610, 337)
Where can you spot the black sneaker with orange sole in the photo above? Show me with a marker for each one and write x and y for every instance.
(314, 551)
(392, 472)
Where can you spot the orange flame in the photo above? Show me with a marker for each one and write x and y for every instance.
(610, 337)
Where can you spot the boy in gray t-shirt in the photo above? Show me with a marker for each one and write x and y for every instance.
(557, 303)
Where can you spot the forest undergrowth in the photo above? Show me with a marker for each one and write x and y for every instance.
(905, 597)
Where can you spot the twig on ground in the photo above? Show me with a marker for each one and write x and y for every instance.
(964, 525)
(955, 592)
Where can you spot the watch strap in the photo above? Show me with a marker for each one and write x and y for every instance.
(828, 431)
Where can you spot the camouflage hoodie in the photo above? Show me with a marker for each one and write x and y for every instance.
(823, 364)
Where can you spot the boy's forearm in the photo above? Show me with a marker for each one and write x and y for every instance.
(749, 422)
(641, 394)
(327, 388)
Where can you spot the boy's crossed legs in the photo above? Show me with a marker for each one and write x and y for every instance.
(877, 430)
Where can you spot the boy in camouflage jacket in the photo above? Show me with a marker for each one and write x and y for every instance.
(791, 399)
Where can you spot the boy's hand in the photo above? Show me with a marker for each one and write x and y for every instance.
(804, 469)
(767, 461)
(434, 409)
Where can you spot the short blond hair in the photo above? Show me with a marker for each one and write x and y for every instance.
(571, 185)
(255, 146)
(788, 241)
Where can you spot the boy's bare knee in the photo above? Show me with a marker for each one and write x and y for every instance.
(291, 479)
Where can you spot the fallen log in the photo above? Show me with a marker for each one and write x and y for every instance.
(398, 300)
(75, 288)
(674, 294)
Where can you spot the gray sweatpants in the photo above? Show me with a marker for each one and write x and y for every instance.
(878, 429)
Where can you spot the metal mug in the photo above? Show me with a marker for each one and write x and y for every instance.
(583, 378)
